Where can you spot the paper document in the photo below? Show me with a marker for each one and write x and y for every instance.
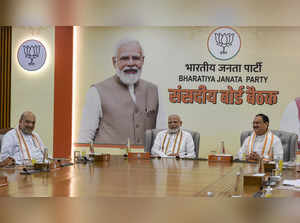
(259, 174)
(171, 157)
(295, 183)
(223, 154)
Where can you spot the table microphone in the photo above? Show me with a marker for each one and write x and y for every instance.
(45, 155)
(29, 172)
(25, 170)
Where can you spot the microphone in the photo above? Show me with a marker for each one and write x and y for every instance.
(29, 172)
(45, 155)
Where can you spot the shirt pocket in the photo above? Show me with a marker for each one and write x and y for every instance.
(150, 118)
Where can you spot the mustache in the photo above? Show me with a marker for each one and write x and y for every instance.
(126, 69)
(129, 75)
(173, 131)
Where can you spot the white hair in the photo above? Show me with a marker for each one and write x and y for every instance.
(125, 41)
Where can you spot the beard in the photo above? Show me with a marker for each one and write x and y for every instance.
(174, 131)
(27, 130)
(129, 78)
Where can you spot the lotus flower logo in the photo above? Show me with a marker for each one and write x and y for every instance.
(224, 40)
(224, 43)
(32, 52)
(32, 55)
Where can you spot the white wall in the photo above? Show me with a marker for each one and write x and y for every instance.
(34, 91)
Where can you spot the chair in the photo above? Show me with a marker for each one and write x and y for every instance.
(150, 135)
(2, 133)
(289, 143)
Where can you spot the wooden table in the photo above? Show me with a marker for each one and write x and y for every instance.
(121, 177)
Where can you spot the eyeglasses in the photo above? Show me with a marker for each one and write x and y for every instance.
(134, 59)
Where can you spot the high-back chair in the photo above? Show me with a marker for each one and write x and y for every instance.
(289, 143)
(2, 133)
(150, 135)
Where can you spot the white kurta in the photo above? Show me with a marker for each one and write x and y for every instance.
(258, 145)
(187, 147)
(92, 114)
(10, 147)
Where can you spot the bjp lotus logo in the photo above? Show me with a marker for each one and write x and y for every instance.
(31, 52)
(224, 40)
(32, 55)
(224, 43)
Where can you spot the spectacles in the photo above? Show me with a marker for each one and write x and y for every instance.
(134, 59)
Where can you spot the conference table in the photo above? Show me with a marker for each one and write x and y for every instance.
(134, 178)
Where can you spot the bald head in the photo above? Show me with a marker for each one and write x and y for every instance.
(26, 114)
(27, 122)
(174, 123)
(175, 116)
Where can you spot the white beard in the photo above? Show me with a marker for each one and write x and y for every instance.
(173, 131)
(128, 79)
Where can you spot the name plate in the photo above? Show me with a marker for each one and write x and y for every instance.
(41, 166)
(102, 157)
(269, 167)
(141, 155)
(254, 180)
(220, 158)
(3, 181)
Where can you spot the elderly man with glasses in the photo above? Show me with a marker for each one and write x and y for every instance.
(174, 141)
(22, 144)
(123, 106)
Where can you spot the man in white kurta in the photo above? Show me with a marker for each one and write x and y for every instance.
(174, 141)
(21, 145)
(261, 143)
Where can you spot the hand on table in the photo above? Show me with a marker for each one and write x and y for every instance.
(7, 162)
(252, 156)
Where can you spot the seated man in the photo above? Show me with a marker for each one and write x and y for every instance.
(262, 143)
(174, 141)
(21, 144)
